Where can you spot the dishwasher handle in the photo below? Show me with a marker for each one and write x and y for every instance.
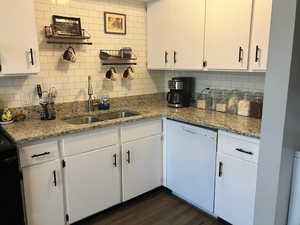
(188, 130)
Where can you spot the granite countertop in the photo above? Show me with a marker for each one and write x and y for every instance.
(35, 129)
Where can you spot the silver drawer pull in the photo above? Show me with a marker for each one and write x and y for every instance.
(39, 155)
(244, 151)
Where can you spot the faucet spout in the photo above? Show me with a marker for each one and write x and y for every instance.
(90, 94)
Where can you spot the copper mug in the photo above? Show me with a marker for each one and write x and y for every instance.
(70, 55)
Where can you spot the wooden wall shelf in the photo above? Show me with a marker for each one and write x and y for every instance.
(66, 39)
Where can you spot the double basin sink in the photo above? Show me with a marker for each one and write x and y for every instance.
(100, 117)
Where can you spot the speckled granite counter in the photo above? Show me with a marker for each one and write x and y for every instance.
(35, 129)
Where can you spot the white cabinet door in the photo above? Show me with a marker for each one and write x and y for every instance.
(227, 34)
(261, 22)
(235, 190)
(18, 39)
(191, 158)
(141, 166)
(158, 35)
(188, 19)
(44, 194)
(92, 182)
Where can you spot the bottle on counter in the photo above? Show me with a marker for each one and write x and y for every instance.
(256, 106)
(244, 105)
(233, 101)
(222, 101)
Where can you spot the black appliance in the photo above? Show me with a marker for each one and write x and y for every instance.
(181, 90)
(11, 197)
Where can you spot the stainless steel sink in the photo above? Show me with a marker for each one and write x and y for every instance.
(101, 117)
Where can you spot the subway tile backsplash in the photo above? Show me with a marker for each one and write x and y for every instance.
(71, 79)
(223, 80)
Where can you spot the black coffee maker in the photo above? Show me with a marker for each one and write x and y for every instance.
(181, 90)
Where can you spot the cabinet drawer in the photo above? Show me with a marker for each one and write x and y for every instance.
(84, 142)
(245, 148)
(141, 129)
(38, 153)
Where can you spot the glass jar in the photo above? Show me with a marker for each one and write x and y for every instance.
(204, 99)
(233, 101)
(222, 101)
(214, 95)
(256, 106)
(244, 105)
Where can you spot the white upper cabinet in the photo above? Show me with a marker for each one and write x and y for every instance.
(158, 31)
(227, 34)
(188, 40)
(18, 40)
(261, 22)
(175, 34)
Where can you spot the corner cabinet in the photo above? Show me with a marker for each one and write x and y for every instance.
(19, 53)
(236, 175)
(262, 12)
(174, 41)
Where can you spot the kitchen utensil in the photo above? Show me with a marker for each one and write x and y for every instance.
(39, 91)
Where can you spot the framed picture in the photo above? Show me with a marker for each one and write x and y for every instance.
(67, 26)
(114, 23)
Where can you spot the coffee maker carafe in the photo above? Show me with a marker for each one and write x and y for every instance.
(181, 89)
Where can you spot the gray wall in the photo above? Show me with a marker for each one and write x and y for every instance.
(281, 121)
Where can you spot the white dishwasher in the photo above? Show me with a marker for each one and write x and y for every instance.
(191, 163)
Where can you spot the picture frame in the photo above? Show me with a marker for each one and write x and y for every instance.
(66, 26)
(115, 23)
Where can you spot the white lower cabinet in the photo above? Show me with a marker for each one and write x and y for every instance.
(141, 166)
(236, 178)
(92, 181)
(43, 188)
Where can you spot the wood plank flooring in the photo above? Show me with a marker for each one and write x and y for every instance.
(159, 207)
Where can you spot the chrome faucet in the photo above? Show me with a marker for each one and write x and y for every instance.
(90, 93)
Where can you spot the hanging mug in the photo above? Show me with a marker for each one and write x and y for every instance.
(110, 74)
(70, 55)
(126, 74)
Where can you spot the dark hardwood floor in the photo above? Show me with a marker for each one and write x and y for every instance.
(156, 208)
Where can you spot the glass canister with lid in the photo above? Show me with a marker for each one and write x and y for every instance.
(214, 95)
(233, 101)
(256, 106)
(222, 101)
(204, 100)
(244, 104)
